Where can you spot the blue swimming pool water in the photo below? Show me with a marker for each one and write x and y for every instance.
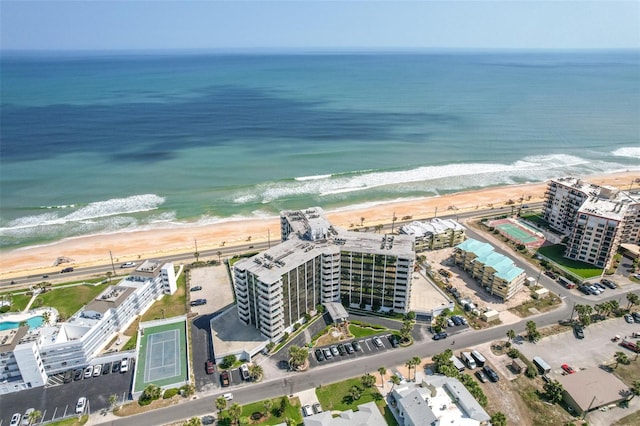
(33, 322)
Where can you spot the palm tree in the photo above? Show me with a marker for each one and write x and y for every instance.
(34, 416)
(409, 364)
(234, 412)
(219, 253)
(532, 331)
(395, 380)
(511, 334)
(382, 372)
(46, 317)
(633, 300)
(256, 372)
(109, 274)
(221, 403)
(368, 380)
(415, 361)
(614, 306)
(113, 399)
(553, 391)
(355, 393)
(621, 357)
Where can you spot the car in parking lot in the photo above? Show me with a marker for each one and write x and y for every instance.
(15, 419)
(393, 339)
(481, 376)
(106, 368)
(244, 372)
(600, 287)
(349, 348)
(341, 350)
(88, 371)
(82, 402)
(209, 367)
(97, 370)
(198, 302)
(26, 420)
(196, 288)
(124, 365)
(579, 331)
(317, 408)
(593, 290)
(224, 378)
(377, 342)
(77, 375)
(319, 355)
(356, 346)
(636, 316)
(491, 374)
(567, 369)
(611, 284)
(550, 275)
(327, 353)
(584, 289)
(208, 420)
(628, 318)
(68, 375)
(116, 367)
(456, 320)
(334, 351)
(450, 322)
(440, 336)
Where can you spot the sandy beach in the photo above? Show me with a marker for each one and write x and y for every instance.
(131, 246)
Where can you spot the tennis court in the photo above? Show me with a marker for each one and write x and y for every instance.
(517, 232)
(162, 355)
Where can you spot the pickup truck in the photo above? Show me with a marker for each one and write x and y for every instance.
(224, 378)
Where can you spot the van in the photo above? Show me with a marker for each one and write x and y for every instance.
(468, 360)
(542, 365)
(479, 358)
(457, 363)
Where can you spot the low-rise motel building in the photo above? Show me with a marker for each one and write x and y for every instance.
(435, 234)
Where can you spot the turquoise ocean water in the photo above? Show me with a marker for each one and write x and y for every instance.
(95, 143)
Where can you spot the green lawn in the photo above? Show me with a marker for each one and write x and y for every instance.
(19, 302)
(582, 269)
(360, 332)
(171, 305)
(293, 412)
(69, 300)
(336, 396)
(533, 217)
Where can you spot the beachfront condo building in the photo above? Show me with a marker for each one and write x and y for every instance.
(435, 234)
(318, 263)
(493, 271)
(594, 219)
(29, 356)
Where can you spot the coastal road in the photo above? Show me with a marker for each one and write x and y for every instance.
(222, 252)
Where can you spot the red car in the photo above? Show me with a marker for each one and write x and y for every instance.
(210, 367)
(567, 369)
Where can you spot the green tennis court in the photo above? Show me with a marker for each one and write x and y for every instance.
(162, 359)
(516, 233)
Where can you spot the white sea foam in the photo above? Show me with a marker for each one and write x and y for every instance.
(316, 177)
(88, 214)
(629, 151)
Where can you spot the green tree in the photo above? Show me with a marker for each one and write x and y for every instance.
(499, 419)
(284, 403)
(221, 403)
(633, 299)
(532, 331)
(511, 334)
(228, 361)
(411, 316)
(234, 412)
(621, 358)
(553, 391)
(413, 363)
(441, 323)
(614, 306)
(256, 372)
(297, 356)
(584, 314)
(113, 400)
(635, 387)
(368, 380)
(46, 317)
(395, 380)
(193, 421)
(187, 390)
(150, 393)
(382, 372)
(355, 393)
(268, 404)
(34, 416)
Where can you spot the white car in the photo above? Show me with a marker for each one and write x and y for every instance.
(128, 265)
(82, 402)
(97, 370)
(26, 421)
(15, 419)
(228, 396)
(124, 365)
(88, 372)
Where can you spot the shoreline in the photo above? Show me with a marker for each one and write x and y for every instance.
(142, 244)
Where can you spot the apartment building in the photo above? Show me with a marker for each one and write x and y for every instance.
(594, 219)
(318, 263)
(494, 271)
(29, 356)
(435, 234)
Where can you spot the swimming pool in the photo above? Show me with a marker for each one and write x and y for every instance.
(33, 322)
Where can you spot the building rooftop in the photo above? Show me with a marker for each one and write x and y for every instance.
(593, 388)
(367, 415)
(434, 226)
(504, 266)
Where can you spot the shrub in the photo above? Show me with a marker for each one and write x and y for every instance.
(170, 393)
(513, 353)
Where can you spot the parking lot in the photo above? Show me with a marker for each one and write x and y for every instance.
(367, 347)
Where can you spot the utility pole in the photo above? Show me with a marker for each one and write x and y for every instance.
(112, 265)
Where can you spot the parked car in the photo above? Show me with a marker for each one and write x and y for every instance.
(349, 348)
(26, 421)
(628, 318)
(356, 346)
(97, 370)
(124, 365)
(198, 302)
(440, 336)
(611, 284)
(88, 371)
(317, 408)
(334, 351)
(481, 376)
(327, 353)
(106, 368)
(594, 290)
(208, 420)
(377, 342)
(579, 331)
(307, 411)
(224, 378)
(196, 288)
(630, 345)
(600, 287)
(15, 419)
(82, 402)
(244, 372)
(209, 367)
(584, 289)
(636, 316)
(491, 374)
(567, 369)
(456, 321)
(450, 322)
(68, 375)
(393, 340)
(116, 367)
(551, 275)
(341, 349)
(319, 355)
(77, 375)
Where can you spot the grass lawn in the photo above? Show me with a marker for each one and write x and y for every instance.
(69, 300)
(19, 302)
(172, 305)
(543, 305)
(292, 411)
(360, 332)
(71, 421)
(581, 269)
(336, 396)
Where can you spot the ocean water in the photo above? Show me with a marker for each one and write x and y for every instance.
(99, 143)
